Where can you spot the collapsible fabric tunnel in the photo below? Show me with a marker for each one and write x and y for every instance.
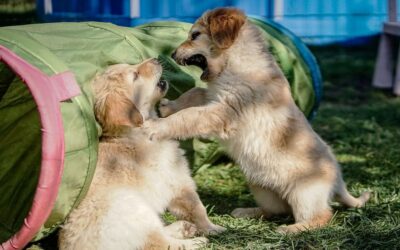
(48, 133)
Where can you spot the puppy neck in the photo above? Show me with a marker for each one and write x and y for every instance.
(248, 57)
(116, 131)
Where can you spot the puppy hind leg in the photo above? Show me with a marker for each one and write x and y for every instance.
(188, 206)
(317, 221)
(248, 212)
(270, 203)
(161, 240)
(310, 206)
(171, 237)
(130, 223)
(188, 244)
(140, 227)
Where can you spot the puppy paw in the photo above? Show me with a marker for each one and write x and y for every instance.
(197, 243)
(364, 198)
(214, 230)
(290, 229)
(250, 212)
(239, 213)
(189, 230)
(282, 230)
(167, 107)
(152, 129)
(182, 230)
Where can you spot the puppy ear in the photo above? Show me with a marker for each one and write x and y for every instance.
(224, 25)
(116, 111)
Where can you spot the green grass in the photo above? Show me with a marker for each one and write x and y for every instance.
(16, 12)
(362, 125)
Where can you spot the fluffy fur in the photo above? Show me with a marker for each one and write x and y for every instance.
(135, 179)
(249, 107)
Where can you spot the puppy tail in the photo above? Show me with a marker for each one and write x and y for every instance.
(344, 197)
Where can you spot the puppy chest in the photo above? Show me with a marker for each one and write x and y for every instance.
(254, 150)
(257, 131)
(160, 178)
(250, 142)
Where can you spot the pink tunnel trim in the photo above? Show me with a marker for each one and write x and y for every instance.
(47, 92)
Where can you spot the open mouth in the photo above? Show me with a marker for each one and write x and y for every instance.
(197, 60)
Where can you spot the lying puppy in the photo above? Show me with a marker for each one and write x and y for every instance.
(249, 107)
(135, 179)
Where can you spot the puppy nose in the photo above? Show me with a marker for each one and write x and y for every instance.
(163, 85)
(174, 55)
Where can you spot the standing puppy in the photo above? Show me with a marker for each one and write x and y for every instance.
(249, 107)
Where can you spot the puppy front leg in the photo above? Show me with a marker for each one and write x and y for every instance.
(204, 121)
(188, 206)
(191, 98)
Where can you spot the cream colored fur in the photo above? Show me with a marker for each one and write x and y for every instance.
(136, 179)
(249, 107)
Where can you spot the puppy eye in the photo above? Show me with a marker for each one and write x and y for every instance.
(195, 35)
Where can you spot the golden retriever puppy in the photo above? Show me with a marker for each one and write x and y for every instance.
(249, 107)
(135, 179)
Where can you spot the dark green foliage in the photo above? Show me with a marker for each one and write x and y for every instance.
(15, 12)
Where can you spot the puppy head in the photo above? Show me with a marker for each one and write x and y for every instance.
(210, 37)
(125, 95)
